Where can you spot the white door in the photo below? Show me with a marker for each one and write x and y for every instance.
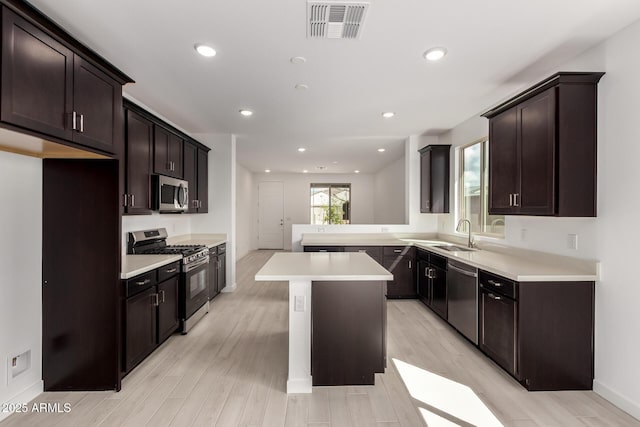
(270, 215)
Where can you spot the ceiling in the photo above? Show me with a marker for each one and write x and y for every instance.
(494, 49)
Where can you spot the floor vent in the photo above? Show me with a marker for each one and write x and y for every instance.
(335, 20)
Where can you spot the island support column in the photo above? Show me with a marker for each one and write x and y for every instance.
(299, 380)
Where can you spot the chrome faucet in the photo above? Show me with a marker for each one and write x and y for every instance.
(459, 227)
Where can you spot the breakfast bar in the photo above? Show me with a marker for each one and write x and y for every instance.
(337, 307)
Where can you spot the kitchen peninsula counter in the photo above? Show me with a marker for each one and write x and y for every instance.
(341, 298)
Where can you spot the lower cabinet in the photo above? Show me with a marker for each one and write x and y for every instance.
(150, 312)
(432, 281)
(217, 269)
(401, 262)
(539, 332)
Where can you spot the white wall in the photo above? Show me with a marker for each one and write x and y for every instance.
(296, 196)
(389, 197)
(246, 230)
(612, 237)
(221, 217)
(21, 274)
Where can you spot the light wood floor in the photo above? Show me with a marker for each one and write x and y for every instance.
(231, 369)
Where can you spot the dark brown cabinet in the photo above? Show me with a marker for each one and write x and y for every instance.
(167, 148)
(139, 146)
(539, 332)
(374, 252)
(542, 149)
(432, 281)
(401, 262)
(196, 172)
(49, 89)
(434, 179)
(217, 270)
(150, 312)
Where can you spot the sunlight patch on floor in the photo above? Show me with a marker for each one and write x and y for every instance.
(447, 401)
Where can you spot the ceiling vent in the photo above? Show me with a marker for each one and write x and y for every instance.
(335, 20)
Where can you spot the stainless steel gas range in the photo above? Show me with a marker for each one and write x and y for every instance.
(194, 276)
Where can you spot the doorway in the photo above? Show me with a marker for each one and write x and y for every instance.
(270, 215)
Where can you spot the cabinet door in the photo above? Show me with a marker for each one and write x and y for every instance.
(504, 178)
(203, 181)
(213, 276)
(403, 269)
(174, 152)
(498, 329)
(439, 291)
(141, 327)
(190, 174)
(96, 98)
(167, 308)
(222, 271)
(423, 284)
(37, 73)
(139, 140)
(425, 182)
(537, 152)
(161, 163)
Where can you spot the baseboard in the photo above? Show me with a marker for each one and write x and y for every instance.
(229, 288)
(630, 407)
(300, 385)
(26, 396)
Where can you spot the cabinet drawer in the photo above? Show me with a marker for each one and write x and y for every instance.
(438, 261)
(139, 283)
(396, 250)
(169, 270)
(324, 248)
(222, 248)
(498, 284)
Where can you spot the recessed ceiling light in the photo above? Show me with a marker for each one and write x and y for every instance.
(435, 53)
(205, 50)
(388, 114)
(356, 171)
(246, 113)
(267, 170)
(305, 171)
(301, 86)
(302, 149)
(298, 60)
(381, 150)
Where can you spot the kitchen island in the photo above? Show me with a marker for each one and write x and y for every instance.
(347, 315)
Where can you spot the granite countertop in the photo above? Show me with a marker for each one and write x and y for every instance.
(515, 264)
(133, 265)
(347, 266)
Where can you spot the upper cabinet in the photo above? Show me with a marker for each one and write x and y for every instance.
(434, 179)
(139, 146)
(167, 158)
(51, 88)
(196, 172)
(542, 149)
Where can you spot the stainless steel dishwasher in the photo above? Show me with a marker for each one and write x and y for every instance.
(462, 299)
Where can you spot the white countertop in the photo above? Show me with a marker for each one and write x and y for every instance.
(132, 265)
(348, 266)
(515, 264)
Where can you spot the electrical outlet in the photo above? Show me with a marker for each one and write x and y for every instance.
(300, 303)
(572, 241)
(18, 364)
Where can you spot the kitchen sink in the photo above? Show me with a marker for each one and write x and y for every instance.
(454, 248)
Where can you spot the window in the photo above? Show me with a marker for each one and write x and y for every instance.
(330, 203)
(473, 199)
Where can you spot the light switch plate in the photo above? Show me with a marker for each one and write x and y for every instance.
(572, 241)
(300, 303)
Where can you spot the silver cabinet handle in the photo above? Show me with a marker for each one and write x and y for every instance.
(362, 251)
(133, 200)
(171, 270)
(426, 272)
(431, 273)
(155, 300)
(409, 264)
(74, 120)
(144, 282)
(200, 205)
(510, 199)
(162, 296)
(397, 251)
(322, 250)
(125, 198)
(515, 199)
(168, 166)
(494, 283)
(81, 122)
(493, 296)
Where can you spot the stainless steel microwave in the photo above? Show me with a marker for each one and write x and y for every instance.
(169, 194)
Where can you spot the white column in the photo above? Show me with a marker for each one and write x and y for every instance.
(299, 380)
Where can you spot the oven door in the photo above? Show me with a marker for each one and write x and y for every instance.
(194, 288)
